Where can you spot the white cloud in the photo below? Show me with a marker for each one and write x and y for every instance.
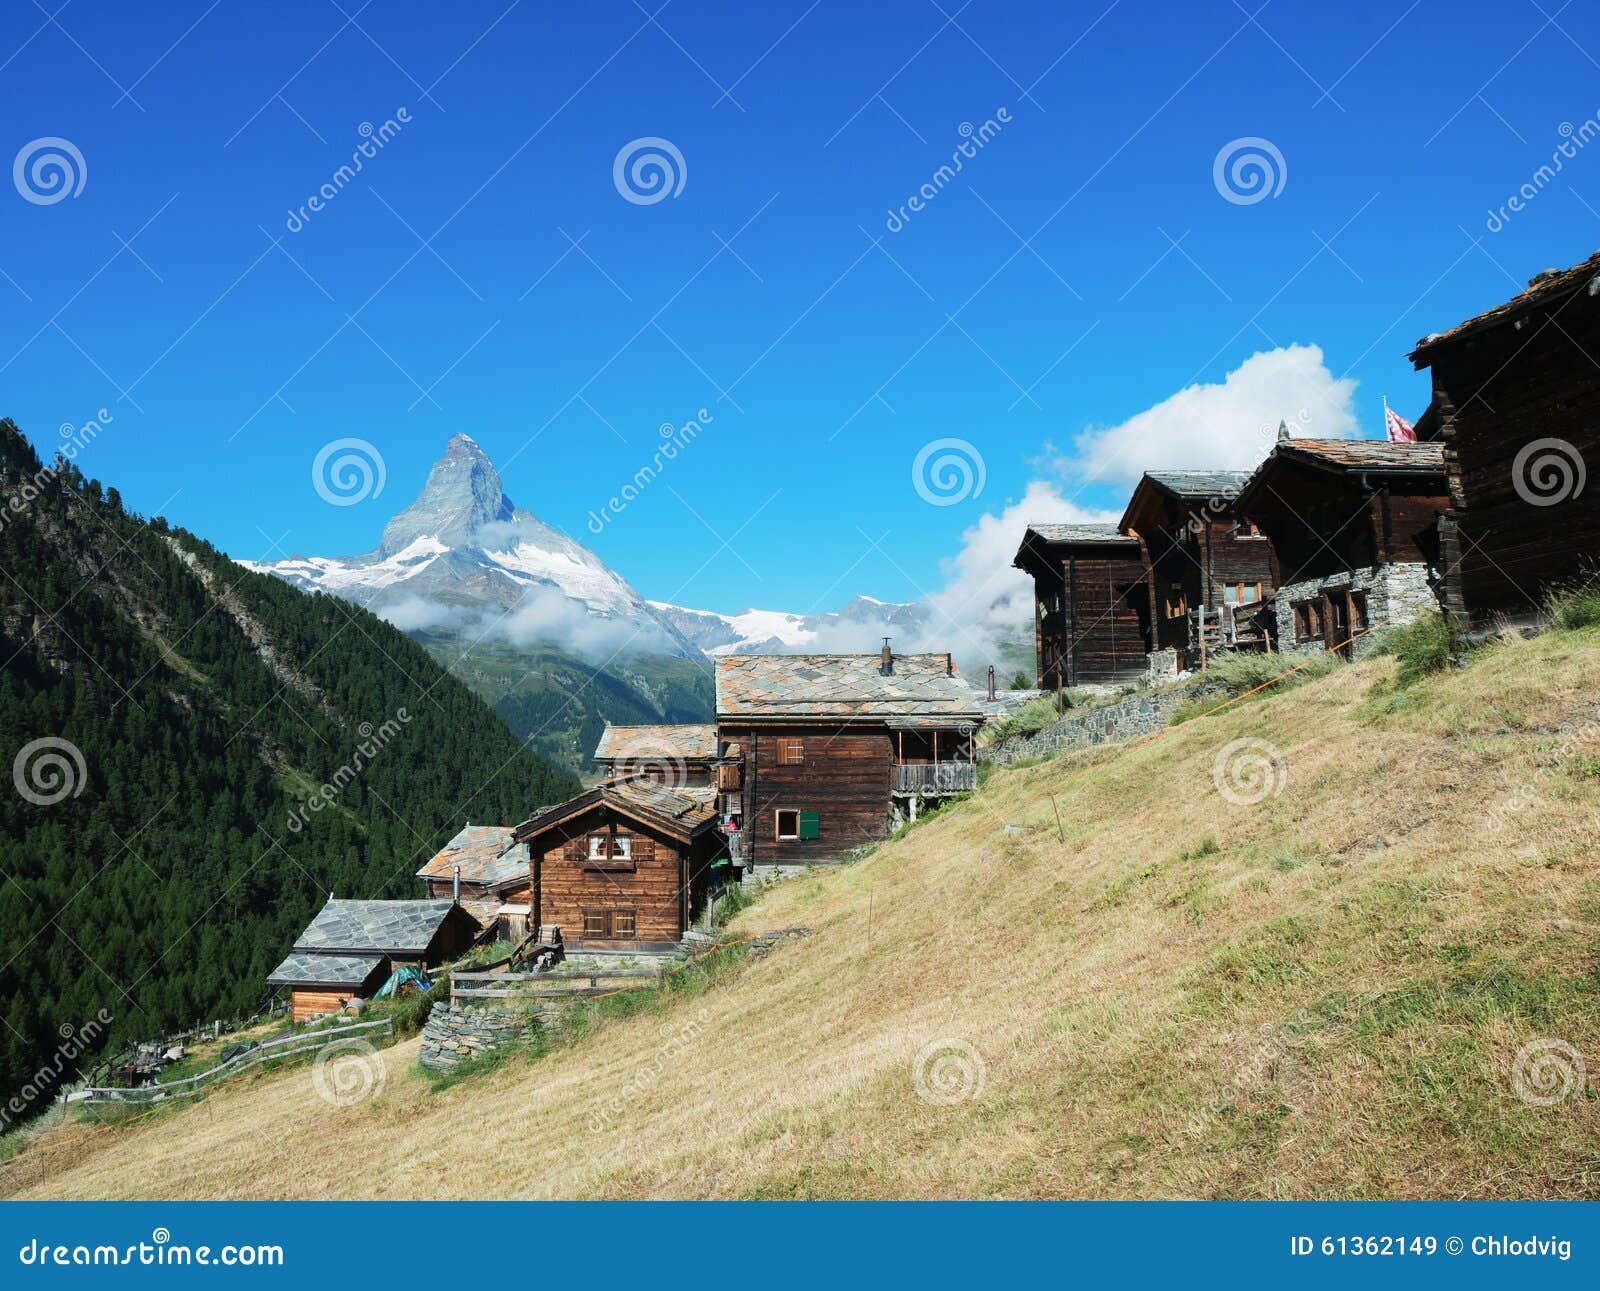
(1227, 426)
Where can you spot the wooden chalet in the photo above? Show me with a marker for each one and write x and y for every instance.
(678, 756)
(624, 865)
(349, 950)
(1210, 569)
(823, 752)
(487, 872)
(1092, 604)
(1515, 394)
(1354, 528)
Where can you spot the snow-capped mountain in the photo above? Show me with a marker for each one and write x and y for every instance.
(463, 555)
(856, 628)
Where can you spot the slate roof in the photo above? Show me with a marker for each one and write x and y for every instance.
(486, 854)
(657, 743)
(302, 969)
(1079, 533)
(1200, 484)
(397, 927)
(1368, 454)
(681, 810)
(1543, 290)
(845, 686)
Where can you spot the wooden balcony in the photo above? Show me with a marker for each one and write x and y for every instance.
(932, 779)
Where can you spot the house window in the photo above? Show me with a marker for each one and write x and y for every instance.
(1241, 593)
(1247, 529)
(788, 824)
(1307, 620)
(609, 925)
(791, 752)
(610, 852)
(1358, 612)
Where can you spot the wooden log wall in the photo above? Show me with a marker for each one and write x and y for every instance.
(654, 888)
(844, 776)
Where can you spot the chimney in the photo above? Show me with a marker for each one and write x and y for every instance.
(1283, 431)
(949, 665)
(886, 667)
(991, 683)
(455, 885)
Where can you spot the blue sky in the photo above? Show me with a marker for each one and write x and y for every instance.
(1083, 267)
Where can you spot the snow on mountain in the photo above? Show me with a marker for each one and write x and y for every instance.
(856, 628)
(463, 554)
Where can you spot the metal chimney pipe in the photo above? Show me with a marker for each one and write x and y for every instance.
(455, 885)
(886, 667)
(991, 683)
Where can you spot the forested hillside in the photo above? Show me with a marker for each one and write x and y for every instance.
(156, 851)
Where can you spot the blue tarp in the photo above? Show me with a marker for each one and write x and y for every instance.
(400, 977)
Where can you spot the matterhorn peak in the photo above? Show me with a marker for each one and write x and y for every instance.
(463, 493)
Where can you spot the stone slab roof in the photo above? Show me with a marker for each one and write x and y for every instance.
(845, 686)
(657, 744)
(390, 927)
(679, 810)
(303, 969)
(1368, 454)
(1080, 533)
(1200, 484)
(485, 853)
(1546, 288)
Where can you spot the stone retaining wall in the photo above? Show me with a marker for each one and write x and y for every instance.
(456, 1032)
(1136, 715)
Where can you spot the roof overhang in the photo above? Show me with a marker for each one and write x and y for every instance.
(605, 796)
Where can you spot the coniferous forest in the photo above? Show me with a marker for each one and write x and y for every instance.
(156, 852)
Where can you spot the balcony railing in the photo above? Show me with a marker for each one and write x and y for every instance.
(933, 778)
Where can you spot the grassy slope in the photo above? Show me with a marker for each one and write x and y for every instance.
(1114, 986)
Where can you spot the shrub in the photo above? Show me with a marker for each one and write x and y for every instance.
(1422, 647)
(1575, 605)
(1234, 674)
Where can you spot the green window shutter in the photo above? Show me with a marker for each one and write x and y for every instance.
(810, 825)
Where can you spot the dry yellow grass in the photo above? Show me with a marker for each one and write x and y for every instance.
(1320, 995)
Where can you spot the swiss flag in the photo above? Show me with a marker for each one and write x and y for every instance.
(1400, 430)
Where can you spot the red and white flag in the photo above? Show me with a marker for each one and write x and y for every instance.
(1400, 430)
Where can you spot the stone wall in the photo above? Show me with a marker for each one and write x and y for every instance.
(1140, 714)
(1397, 594)
(456, 1032)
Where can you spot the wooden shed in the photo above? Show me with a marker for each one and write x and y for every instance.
(1516, 391)
(1092, 604)
(351, 947)
(487, 870)
(1354, 528)
(679, 757)
(625, 865)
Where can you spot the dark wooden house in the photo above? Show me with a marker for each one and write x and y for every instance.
(1354, 528)
(351, 947)
(1209, 567)
(1092, 606)
(824, 752)
(1516, 392)
(487, 871)
(677, 756)
(624, 865)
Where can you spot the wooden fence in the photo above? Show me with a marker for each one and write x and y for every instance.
(560, 983)
(288, 1046)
